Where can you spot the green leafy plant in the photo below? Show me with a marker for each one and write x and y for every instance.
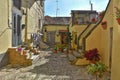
(97, 69)
(58, 46)
(117, 15)
(117, 12)
(55, 48)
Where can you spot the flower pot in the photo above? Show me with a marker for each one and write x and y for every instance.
(93, 20)
(100, 16)
(76, 22)
(54, 51)
(70, 51)
(93, 61)
(118, 20)
(104, 25)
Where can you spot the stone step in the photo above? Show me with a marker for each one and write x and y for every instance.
(35, 58)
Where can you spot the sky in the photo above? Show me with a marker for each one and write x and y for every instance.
(65, 6)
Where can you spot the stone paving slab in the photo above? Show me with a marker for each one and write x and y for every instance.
(49, 66)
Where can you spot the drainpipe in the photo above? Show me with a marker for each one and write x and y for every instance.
(8, 14)
(8, 11)
(42, 15)
(26, 21)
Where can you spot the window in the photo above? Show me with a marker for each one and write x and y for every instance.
(42, 3)
(14, 27)
(18, 24)
(17, 4)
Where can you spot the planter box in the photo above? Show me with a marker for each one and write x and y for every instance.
(104, 25)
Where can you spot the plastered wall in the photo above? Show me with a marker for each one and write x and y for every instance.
(5, 31)
(116, 46)
(102, 40)
(54, 28)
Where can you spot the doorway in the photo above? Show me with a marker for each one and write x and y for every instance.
(111, 46)
(63, 38)
(50, 38)
(16, 30)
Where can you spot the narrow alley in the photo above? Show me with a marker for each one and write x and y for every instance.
(59, 39)
(49, 66)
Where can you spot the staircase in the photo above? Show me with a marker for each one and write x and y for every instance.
(82, 36)
(18, 59)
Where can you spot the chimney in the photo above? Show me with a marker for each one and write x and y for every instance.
(91, 5)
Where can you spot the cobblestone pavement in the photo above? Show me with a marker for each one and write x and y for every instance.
(50, 66)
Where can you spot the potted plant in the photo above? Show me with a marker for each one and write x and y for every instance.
(93, 20)
(55, 49)
(92, 55)
(97, 69)
(104, 24)
(70, 51)
(101, 14)
(60, 47)
(117, 15)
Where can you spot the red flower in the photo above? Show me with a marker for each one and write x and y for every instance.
(92, 55)
(93, 20)
(76, 22)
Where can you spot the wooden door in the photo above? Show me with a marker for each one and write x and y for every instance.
(51, 37)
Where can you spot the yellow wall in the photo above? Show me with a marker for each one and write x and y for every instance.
(33, 20)
(94, 39)
(5, 31)
(116, 46)
(100, 39)
(77, 28)
(105, 38)
(23, 30)
(54, 28)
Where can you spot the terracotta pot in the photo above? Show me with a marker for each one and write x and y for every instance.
(93, 20)
(104, 25)
(118, 20)
(54, 51)
(93, 61)
(69, 51)
(76, 22)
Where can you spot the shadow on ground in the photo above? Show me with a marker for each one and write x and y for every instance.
(57, 67)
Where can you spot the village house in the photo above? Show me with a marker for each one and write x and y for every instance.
(55, 29)
(22, 18)
(104, 35)
(19, 19)
(80, 20)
